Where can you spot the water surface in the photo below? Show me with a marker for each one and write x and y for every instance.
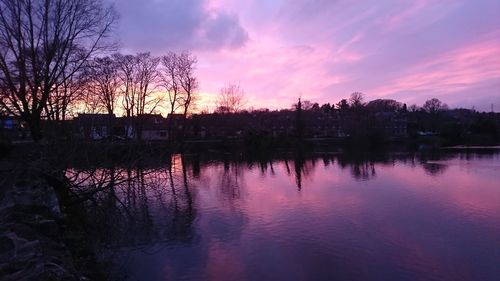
(396, 216)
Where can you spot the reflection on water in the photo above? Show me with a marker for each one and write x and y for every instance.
(396, 216)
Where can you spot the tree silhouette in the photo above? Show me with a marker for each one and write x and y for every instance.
(434, 105)
(231, 99)
(39, 41)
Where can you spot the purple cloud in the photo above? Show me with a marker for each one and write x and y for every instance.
(323, 50)
(158, 25)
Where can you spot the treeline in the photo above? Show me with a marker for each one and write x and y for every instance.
(57, 58)
(374, 122)
(138, 84)
(357, 102)
(44, 45)
(433, 122)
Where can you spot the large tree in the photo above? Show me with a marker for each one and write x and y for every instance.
(187, 80)
(434, 105)
(356, 100)
(179, 81)
(40, 40)
(384, 105)
(170, 80)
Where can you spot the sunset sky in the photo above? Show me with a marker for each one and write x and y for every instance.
(323, 50)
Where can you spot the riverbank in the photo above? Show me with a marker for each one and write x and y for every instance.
(106, 150)
(39, 235)
(30, 232)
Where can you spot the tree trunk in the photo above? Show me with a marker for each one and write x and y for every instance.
(34, 126)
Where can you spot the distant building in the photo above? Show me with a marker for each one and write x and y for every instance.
(282, 123)
(393, 124)
(152, 127)
(98, 126)
(276, 124)
(108, 126)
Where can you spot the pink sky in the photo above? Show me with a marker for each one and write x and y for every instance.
(324, 50)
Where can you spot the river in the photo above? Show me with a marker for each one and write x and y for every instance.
(324, 216)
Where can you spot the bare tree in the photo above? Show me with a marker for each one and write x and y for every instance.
(38, 41)
(104, 82)
(356, 100)
(89, 104)
(413, 108)
(187, 80)
(170, 80)
(65, 96)
(138, 79)
(189, 84)
(307, 105)
(141, 83)
(231, 99)
(146, 76)
(126, 74)
(179, 80)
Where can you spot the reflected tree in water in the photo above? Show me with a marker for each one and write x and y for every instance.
(298, 167)
(136, 206)
(139, 204)
(302, 168)
(434, 169)
(361, 167)
(230, 180)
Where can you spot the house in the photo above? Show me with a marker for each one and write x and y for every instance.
(108, 126)
(394, 124)
(272, 123)
(175, 125)
(151, 126)
(13, 128)
(97, 126)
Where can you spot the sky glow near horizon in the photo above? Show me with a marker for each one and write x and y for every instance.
(323, 50)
